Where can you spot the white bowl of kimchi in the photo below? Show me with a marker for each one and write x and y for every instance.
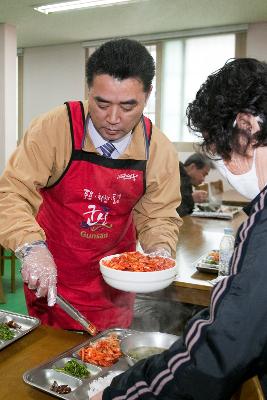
(137, 272)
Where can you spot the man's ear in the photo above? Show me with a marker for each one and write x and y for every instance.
(247, 122)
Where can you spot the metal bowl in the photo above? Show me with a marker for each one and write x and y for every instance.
(143, 341)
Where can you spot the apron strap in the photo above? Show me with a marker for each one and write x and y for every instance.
(147, 129)
(77, 123)
(78, 126)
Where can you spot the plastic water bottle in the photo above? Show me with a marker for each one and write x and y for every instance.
(226, 251)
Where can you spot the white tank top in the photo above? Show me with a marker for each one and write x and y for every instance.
(246, 184)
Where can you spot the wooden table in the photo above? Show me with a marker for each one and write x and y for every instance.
(39, 346)
(197, 237)
(233, 198)
(28, 352)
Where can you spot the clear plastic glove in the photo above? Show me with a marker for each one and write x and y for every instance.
(160, 252)
(39, 270)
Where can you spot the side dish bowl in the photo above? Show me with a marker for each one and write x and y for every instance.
(144, 344)
(137, 282)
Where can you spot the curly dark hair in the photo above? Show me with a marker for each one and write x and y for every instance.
(122, 59)
(239, 86)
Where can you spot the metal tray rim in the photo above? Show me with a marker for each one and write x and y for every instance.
(36, 322)
(47, 364)
(77, 347)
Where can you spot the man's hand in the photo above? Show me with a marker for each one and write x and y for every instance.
(159, 252)
(38, 269)
(200, 196)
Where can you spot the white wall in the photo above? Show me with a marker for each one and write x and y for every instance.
(256, 41)
(54, 74)
(8, 114)
(51, 76)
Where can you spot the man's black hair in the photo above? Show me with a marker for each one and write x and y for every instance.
(122, 59)
(239, 86)
(200, 161)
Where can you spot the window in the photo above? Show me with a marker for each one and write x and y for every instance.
(150, 109)
(185, 64)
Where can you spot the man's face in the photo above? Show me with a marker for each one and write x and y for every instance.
(197, 175)
(116, 106)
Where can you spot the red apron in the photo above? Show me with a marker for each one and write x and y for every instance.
(87, 215)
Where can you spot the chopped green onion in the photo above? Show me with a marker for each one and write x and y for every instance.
(5, 332)
(74, 368)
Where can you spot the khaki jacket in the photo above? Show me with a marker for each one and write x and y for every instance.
(42, 157)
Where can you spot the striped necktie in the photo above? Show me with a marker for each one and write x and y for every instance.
(107, 149)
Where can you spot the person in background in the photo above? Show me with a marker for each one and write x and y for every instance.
(192, 173)
(226, 343)
(84, 183)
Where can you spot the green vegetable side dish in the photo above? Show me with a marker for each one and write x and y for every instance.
(212, 258)
(210, 261)
(74, 368)
(5, 332)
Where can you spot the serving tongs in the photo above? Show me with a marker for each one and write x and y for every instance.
(76, 315)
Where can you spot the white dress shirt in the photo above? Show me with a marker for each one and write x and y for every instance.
(119, 144)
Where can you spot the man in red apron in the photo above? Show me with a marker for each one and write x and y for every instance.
(87, 212)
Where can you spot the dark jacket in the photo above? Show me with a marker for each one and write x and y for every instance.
(187, 203)
(223, 345)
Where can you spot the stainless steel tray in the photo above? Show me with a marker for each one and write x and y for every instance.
(27, 324)
(43, 376)
(224, 212)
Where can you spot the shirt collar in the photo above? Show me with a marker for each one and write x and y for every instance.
(119, 144)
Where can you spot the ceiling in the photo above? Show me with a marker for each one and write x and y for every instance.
(137, 18)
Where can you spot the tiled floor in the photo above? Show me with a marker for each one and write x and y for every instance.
(14, 301)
